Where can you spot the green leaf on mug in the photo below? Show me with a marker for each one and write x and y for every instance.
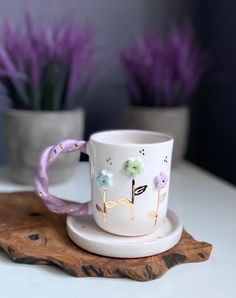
(139, 190)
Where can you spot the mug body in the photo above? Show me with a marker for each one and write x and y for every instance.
(130, 175)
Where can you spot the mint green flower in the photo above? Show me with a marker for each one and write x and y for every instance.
(133, 167)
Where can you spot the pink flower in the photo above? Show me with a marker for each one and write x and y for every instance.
(161, 180)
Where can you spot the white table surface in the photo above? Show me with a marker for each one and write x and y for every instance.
(207, 206)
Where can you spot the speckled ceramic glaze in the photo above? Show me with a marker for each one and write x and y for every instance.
(130, 175)
(85, 233)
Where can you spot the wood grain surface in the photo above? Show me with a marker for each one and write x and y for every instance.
(30, 234)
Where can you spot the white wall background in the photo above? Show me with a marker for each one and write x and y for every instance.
(115, 22)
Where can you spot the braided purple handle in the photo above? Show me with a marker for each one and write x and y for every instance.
(53, 203)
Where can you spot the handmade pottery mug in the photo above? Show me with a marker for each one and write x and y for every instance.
(130, 174)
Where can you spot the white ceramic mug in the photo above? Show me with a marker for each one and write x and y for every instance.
(130, 174)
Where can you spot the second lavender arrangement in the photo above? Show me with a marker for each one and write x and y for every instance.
(163, 70)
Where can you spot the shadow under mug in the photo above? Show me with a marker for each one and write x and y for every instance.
(130, 174)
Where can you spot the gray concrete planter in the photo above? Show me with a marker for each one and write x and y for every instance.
(173, 121)
(27, 133)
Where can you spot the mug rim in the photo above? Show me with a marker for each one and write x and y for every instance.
(95, 137)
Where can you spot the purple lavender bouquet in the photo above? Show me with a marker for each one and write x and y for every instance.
(164, 71)
(45, 67)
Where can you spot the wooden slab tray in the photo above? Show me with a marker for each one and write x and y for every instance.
(30, 234)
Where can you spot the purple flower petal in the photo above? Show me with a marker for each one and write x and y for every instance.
(161, 180)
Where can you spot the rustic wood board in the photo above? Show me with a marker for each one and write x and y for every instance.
(30, 234)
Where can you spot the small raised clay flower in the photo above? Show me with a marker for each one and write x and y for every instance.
(133, 167)
(161, 180)
(105, 179)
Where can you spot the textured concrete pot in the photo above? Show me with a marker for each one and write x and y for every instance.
(173, 121)
(27, 133)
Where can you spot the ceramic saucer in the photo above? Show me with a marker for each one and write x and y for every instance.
(84, 232)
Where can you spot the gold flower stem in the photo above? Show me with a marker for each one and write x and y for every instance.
(104, 206)
(132, 209)
(158, 202)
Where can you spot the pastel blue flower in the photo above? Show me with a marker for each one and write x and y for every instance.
(105, 179)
